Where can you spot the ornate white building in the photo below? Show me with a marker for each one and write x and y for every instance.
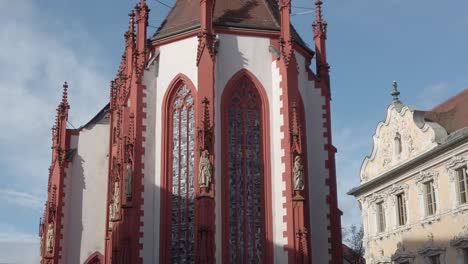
(414, 185)
(215, 146)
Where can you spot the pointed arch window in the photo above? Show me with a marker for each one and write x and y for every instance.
(181, 180)
(243, 175)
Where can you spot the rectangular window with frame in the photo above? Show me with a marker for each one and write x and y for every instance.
(380, 217)
(462, 178)
(431, 207)
(401, 203)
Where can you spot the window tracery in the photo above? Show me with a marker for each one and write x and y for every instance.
(182, 152)
(245, 175)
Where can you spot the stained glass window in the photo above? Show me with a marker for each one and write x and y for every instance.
(182, 182)
(245, 175)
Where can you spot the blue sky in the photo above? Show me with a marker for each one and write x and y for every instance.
(420, 43)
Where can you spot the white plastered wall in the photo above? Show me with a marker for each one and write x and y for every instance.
(317, 173)
(252, 53)
(85, 194)
(157, 79)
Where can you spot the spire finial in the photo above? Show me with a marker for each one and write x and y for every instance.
(395, 93)
(318, 9)
(65, 93)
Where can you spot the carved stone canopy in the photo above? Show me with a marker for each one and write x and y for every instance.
(430, 248)
(402, 255)
(461, 240)
(426, 176)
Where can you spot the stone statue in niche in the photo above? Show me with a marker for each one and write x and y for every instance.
(298, 172)
(129, 177)
(111, 213)
(116, 200)
(129, 181)
(204, 170)
(41, 245)
(50, 237)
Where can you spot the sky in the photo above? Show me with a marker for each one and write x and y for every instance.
(422, 44)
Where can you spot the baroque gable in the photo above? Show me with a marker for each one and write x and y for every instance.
(402, 136)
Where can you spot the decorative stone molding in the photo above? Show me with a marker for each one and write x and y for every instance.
(392, 194)
(372, 202)
(402, 255)
(375, 198)
(452, 166)
(425, 176)
(456, 162)
(421, 179)
(431, 249)
(398, 188)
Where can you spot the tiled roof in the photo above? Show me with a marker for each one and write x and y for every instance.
(249, 14)
(451, 114)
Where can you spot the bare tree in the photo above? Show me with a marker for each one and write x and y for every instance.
(353, 236)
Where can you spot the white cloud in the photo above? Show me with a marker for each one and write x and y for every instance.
(35, 58)
(18, 247)
(434, 94)
(19, 253)
(22, 199)
(34, 62)
(352, 148)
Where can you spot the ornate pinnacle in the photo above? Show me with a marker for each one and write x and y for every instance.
(320, 25)
(131, 22)
(395, 93)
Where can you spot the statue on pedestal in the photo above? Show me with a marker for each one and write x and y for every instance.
(204, 170)
(50, 237)
(298, 172)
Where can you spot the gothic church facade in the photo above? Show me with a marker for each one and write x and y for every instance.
(215, 146)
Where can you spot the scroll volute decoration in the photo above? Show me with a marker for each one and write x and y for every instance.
(205, 136)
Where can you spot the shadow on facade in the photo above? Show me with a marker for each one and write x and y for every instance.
(74, 224)
(430, 250)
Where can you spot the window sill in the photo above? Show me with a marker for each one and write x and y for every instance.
(429, 220)
(381, 236)
(460, 209)
(401, 229)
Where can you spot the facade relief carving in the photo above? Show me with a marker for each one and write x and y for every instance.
(396, 141)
